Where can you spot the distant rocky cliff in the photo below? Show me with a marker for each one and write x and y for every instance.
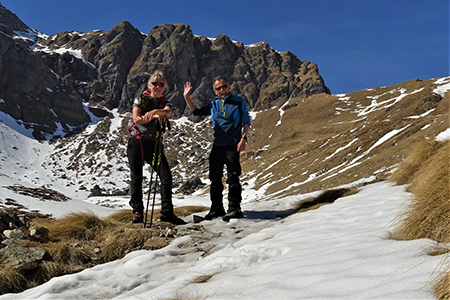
(44, 80)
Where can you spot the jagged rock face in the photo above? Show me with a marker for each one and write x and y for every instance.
(264, 76)
(259, 73)
(10, 23)
(110, 69)
(168, 48)
(106, 60)
(31, 93)
(114, 60)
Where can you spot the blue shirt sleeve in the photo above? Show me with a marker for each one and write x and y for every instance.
(245, 114)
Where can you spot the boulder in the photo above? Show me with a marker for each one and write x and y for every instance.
(191, 186)
(24, 258)
(13, 233)
(39, 234)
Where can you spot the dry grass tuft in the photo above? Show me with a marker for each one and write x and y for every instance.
(442, 288)
(202, 279)
(12, 280)
(122, 242)
(184, 211)
(120, 217)
(50, 269)
(418, 157)
(439, 251)
(85, 226)
(327, 197)
(428, 216)
(66, 254)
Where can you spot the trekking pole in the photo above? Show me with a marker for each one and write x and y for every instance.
(159, 138)
(151, 177)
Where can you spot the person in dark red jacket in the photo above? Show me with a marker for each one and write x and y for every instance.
(231, 122)
(150, 111)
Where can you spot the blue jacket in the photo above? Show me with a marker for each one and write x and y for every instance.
(228, 119)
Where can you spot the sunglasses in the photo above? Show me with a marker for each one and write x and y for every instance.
(160, 84)
(222, 87)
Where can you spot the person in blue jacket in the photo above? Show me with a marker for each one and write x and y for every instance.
(231, 123)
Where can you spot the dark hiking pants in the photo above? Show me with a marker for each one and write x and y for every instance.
(225, 156)
(135, 160)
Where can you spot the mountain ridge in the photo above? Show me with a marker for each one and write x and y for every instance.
(108, 70)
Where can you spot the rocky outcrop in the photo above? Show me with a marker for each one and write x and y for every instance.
(11, 25)
(168, 48)
(264, 76)
(41, 193)
(13, 244)
(191, 186)
(20, 257)
(33, 94)
(100, 70)
(260, 74)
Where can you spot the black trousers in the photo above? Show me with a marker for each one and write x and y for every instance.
(163, 171)
(225, 156)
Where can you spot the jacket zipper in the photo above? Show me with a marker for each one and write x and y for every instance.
(223, 107)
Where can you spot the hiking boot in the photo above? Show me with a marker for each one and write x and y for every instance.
(138, 218)
(171, 219)
(234, 214)
(214, 214)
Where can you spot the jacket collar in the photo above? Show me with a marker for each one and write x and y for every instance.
(224, 98)
(147, 92)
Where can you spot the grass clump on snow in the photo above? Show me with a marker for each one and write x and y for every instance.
(426, 170)
(326, 197)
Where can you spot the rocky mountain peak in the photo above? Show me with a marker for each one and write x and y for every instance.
(9, 22)
(110, 69)
(13, 27)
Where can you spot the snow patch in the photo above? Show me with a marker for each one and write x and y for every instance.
(443, 85)
(443, 136)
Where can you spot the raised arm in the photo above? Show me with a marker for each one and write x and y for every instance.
(187, 98)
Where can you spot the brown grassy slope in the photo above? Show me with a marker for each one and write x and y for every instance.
(325, 134)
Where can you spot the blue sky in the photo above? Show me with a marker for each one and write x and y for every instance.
(357, 44)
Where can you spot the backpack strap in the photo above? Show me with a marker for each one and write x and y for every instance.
(133, 131)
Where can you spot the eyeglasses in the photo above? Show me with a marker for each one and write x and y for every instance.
(222, 87)
(160, 84)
